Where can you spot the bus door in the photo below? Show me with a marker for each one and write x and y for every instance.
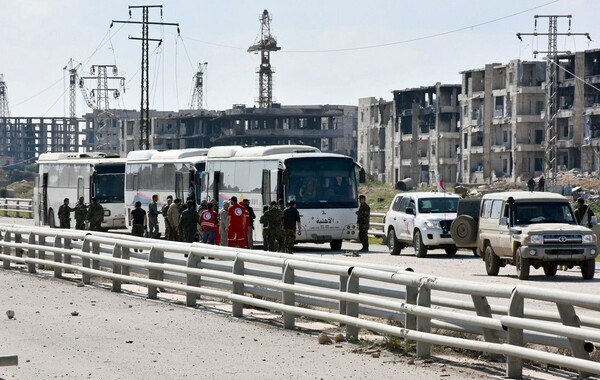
(270, 185)
(36, 200)
(179, 187)
(44, 200)
(93, 179)
(80, 190)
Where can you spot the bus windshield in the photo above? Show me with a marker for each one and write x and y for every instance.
(110, 181)
(321, 182)
(543, 212)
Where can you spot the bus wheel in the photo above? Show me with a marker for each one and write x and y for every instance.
(335, 245)
(51, 221)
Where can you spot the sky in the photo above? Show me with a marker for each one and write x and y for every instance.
(332, 51)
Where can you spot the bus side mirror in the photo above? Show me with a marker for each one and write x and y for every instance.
(362, 176)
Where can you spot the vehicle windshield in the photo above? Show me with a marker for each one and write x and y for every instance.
(436, 205)
(321, 182)
(110, 181)
(543, 212)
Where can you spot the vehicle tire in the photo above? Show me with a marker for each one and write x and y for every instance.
(522, 267)
(550, 269)
(588, 268)
(393, 243)
(451, 251)
(464, 230)
(420, 248)
(492, 261)
(335, 245)
(51, 220)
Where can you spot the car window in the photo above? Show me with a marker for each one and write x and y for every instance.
(496, 208)
(397, 203)
(404, 204)
(486, 208)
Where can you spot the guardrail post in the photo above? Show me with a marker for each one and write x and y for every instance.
(6, 250)
(95, 250)
(237, 308)
(483, 309)
(352, 308)
(17, 209)
(343, 288)
(410, 320)
(288, 297)
(155, 256)
(125, 256)
(18, 240)
(57, 257)
(116, 268)
(569, 317)
(85, 262)
(514, 365)
(424, 323)
(31, 253)
(8, 360)
(193, 261)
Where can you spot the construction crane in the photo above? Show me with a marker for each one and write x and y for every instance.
(4, 110)
(265, 46)
(197, 102)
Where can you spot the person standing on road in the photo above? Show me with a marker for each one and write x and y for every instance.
(95, 215)
(64, 214)
(250, 225)
(583, 213)
(164, 211)
(188, 222)
(542, 184)
(363, 215)
(173, 215)
(265, 228)
(291, 219)
(274, 217)
(531, 184)
(237, 233)
(139, 220)
(153, 217)
(208, 224)
(80, 214)
(223, 223)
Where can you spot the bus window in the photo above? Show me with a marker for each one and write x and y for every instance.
(80, 187)
(266, 187)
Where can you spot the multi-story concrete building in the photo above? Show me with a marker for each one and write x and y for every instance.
(502, 125)
(413, 136)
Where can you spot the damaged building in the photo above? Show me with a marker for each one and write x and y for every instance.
(413, 136)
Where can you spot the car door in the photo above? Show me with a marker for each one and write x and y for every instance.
(408, 220)
(502, 244)
(393, 217)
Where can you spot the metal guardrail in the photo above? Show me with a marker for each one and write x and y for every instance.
(378, 225)
(339, 291)
(16, 207)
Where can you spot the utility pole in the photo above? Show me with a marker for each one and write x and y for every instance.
(4, 110)
(72, 128)
(197, 102)
(145, 86)
(265, 46)
(103, 117)
(551, 86)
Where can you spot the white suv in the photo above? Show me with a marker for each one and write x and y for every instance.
(422, 220)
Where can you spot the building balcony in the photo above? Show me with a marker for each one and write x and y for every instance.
(529, 148)
(529, 118)
(449, 109)
(424, 161)
(407, 137)
(475, 150)
(406, 162)
(423, 136)
(593, 110)
(530, 90)
(312, 133)
(563, 144)
(594, 79)
(499, 92)
(449, 135)
(564, 113)
(448, 160)
(501, 120)
(500, 148)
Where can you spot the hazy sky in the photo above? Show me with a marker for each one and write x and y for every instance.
(321, 61)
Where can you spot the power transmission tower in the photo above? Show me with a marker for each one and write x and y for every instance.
(4, 110)
(106, 139)
(73, 80)
(197, 102)
(265, 46)
(550, 112)
(145, 86)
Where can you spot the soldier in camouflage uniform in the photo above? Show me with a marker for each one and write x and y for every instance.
(274, 217)
(362, 219)
(95, 215)
(291, 219)
(80, 214)
(64, 214)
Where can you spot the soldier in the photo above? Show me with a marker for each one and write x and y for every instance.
(265, 228)
(362, 219)
(64, 214)
(250, 224)
(153, 217)
(583, 213)
(237, 222)
(80, 214)
(291, 219)
(164, 211)
(188, 222)
(223, 223)
(95, 215)
(274, 217)
(173, 215)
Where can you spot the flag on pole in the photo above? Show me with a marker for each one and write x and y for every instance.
(439, 182)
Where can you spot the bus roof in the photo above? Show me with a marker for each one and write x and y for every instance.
(525, 195)
(75, 157)
(167, 155)
(258, 151)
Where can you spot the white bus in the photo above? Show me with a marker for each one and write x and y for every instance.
(172, 172)
(324, 186)
(74, 175)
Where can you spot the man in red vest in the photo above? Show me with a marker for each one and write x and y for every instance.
(237, 217)
(208, 224)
